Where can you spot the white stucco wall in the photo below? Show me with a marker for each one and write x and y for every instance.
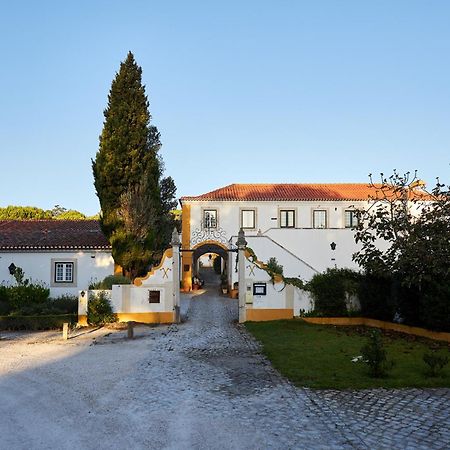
(302, 250)
(37, 266)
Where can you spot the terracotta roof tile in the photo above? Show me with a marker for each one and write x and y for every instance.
(51, 235)
(288, 192)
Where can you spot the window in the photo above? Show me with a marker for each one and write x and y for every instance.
(319, 219)
(64, 272)
(259, 289)
(351, 219)
(154, 296)
(210, 218)
(287, 218)
(248, 219)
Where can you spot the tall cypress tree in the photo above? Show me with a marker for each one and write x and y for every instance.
(127, 174)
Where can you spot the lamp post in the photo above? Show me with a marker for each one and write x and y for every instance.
(333, 248)
(241, 245)
(175, 242)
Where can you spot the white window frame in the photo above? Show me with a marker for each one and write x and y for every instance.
(207, 223)
(287, 225)
(325, 212)
(353, 218)
(69, 272)
(63, 272)
(241, 218)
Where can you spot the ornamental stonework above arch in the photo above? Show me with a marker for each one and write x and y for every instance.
(200, 235)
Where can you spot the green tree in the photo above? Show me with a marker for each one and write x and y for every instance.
(415, 227)
(24, 213)
(127, 175)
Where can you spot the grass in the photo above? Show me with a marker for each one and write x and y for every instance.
(320, 356)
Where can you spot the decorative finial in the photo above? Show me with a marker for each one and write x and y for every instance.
(175, 238)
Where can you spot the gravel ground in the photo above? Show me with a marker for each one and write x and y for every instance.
(201, 385)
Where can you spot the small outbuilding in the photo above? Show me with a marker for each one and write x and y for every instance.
(65, 255)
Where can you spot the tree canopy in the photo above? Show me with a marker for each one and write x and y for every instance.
(135, 200)
(34, 213)
(414, 225)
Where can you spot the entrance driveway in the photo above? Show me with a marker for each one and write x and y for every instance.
(201, 385)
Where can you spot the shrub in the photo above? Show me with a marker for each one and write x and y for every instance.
(273, 267)
(29, 295)
(435, 362)
(329, 290)
(50, 322)
(108, 282)
(375, 355)
(100, 310)
(375, 297)
(5, 306)
(435, 305)
(64, 304)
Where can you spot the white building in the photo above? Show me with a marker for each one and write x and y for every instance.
(65, 255)
(307, 227)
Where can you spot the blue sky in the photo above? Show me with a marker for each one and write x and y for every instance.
(241, 91)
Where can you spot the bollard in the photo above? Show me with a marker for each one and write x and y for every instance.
(65, 331)
(130, 330)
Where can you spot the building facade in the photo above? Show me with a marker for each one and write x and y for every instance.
(307, 227)
(64, 255)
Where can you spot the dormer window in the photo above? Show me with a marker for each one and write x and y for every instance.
(210, 218)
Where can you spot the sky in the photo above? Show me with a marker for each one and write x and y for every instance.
(241, 91)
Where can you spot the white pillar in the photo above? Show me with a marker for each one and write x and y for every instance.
(241, 244)
(176, 275)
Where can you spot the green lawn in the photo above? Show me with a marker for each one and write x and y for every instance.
(319, 356)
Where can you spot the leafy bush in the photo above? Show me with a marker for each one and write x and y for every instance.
(24, 296)
(435, 304)
(50, 322)
(273, 267)
(5, 306)
(108, 282)
(375, 355)
(65, 304)
(375, 297)
(329, 290)
(100, 310)
(435, 362)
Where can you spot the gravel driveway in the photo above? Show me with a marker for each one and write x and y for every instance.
(200, 385)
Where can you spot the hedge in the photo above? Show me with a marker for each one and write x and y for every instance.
(51, 322)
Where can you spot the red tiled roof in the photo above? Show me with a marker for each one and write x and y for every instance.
(289, 192)
(52, 235)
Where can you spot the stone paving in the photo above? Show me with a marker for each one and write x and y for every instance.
(216, 358)
(204, 385)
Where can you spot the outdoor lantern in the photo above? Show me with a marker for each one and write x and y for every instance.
(12, 268)
(333, 246)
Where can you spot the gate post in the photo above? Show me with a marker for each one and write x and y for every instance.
(176, 275)
(241, 245)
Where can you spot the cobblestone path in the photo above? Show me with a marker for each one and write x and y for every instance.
(200, 385)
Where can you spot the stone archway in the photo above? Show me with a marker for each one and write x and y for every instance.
(191, 257)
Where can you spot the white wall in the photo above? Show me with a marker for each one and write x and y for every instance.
(303, 250)
(37, 266)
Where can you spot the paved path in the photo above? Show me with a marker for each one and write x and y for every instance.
(200, 385)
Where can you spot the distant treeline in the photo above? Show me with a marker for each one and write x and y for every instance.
(33, 213)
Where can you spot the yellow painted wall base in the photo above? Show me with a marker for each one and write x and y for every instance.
(82, 321)
(262, 315)
(147, 317)
(353, 321)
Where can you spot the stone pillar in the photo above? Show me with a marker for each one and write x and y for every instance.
(241, 245)
(176, 275)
